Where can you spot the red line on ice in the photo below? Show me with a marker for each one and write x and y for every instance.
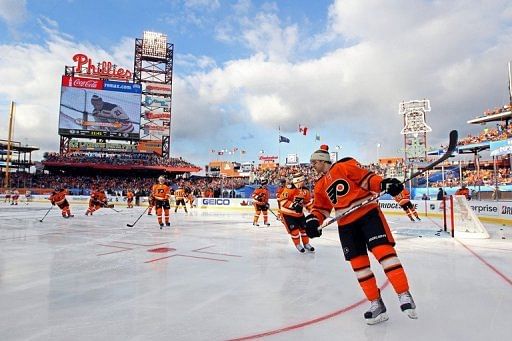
(307, 323)
(508, 280)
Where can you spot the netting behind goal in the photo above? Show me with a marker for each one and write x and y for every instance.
(463, 220)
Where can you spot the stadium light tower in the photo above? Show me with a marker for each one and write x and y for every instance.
(153, 69)
(415, 130)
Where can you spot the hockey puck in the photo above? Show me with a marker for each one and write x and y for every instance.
(420, 236)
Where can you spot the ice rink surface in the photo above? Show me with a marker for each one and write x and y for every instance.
(212, 276)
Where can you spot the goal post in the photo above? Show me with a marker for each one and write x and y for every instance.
(461, 221)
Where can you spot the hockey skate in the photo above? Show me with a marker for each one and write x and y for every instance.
(167, 224)
(255, 224)
(407, 304)
(418, 219)
(300, 248)
(309, 247)
(376, 313)
(267, 224)
(161, 225)
(412, 219)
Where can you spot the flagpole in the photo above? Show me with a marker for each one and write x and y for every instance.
(279, 147)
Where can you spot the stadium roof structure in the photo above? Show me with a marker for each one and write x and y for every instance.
(464, 149)
(502, 116)
(21, 156)
(473, 148)
(93, 167)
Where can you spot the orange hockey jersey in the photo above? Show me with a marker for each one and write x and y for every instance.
(179, 194)
(344, 186)
(403, 198)
(160, 191)
(291, 196)
(98, 197)
(260, 196)
(58, 197)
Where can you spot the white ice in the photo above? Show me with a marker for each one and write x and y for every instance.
(94, 278)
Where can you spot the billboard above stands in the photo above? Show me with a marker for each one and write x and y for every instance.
(155, 130)
(292, 159)
(85, 146)
(499, 148)
(150, 146)
(97, 108)
(158, 89)
(156, 115)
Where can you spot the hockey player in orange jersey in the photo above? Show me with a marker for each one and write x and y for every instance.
(404, 200)
(58, 197)
(129, 199)
(98, 200)
(280, 189)
(344, 186)
(161, 193)
(260, 197)
(293, 199)
(180, 196)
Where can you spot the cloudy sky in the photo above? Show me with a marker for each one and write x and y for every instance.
(244, 68)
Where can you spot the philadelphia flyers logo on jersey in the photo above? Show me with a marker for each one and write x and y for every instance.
(337, 189)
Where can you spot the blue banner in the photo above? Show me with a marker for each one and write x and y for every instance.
(503, 147)
(122, 87)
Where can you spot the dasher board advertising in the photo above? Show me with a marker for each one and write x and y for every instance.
(98, 108)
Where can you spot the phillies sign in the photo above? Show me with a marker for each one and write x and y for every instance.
(104, 69)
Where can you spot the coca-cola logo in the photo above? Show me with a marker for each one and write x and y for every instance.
(85, 83)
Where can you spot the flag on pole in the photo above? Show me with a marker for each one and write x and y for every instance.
(317, 137)
(303, 129)
(283, 139)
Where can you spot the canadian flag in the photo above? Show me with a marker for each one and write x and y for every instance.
(303, 129)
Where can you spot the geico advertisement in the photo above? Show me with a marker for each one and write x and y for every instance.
(231, 202)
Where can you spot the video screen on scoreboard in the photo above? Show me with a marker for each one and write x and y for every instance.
(99, 108)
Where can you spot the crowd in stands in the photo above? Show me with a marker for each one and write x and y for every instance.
(142, 159)
(503, 109)
(226, 186)
(502, 132)
(117, 185)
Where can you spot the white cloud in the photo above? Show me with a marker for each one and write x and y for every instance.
(13, 12)
(202, 4)
(453, 53)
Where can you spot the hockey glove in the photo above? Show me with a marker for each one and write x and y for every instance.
(267, 206)
(391, 186)
(297, 205)
(312, 225)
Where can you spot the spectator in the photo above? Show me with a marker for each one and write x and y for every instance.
(425, 197)
(464, 191)
(441, 193)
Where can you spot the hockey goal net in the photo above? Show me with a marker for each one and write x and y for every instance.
(461, 221)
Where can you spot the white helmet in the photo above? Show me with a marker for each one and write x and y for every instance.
(162, 179)
(298, 177)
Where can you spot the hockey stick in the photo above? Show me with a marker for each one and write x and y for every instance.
(41, 220)
(275, 215)
(449, 151)
(113, 209)
(135, 222)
